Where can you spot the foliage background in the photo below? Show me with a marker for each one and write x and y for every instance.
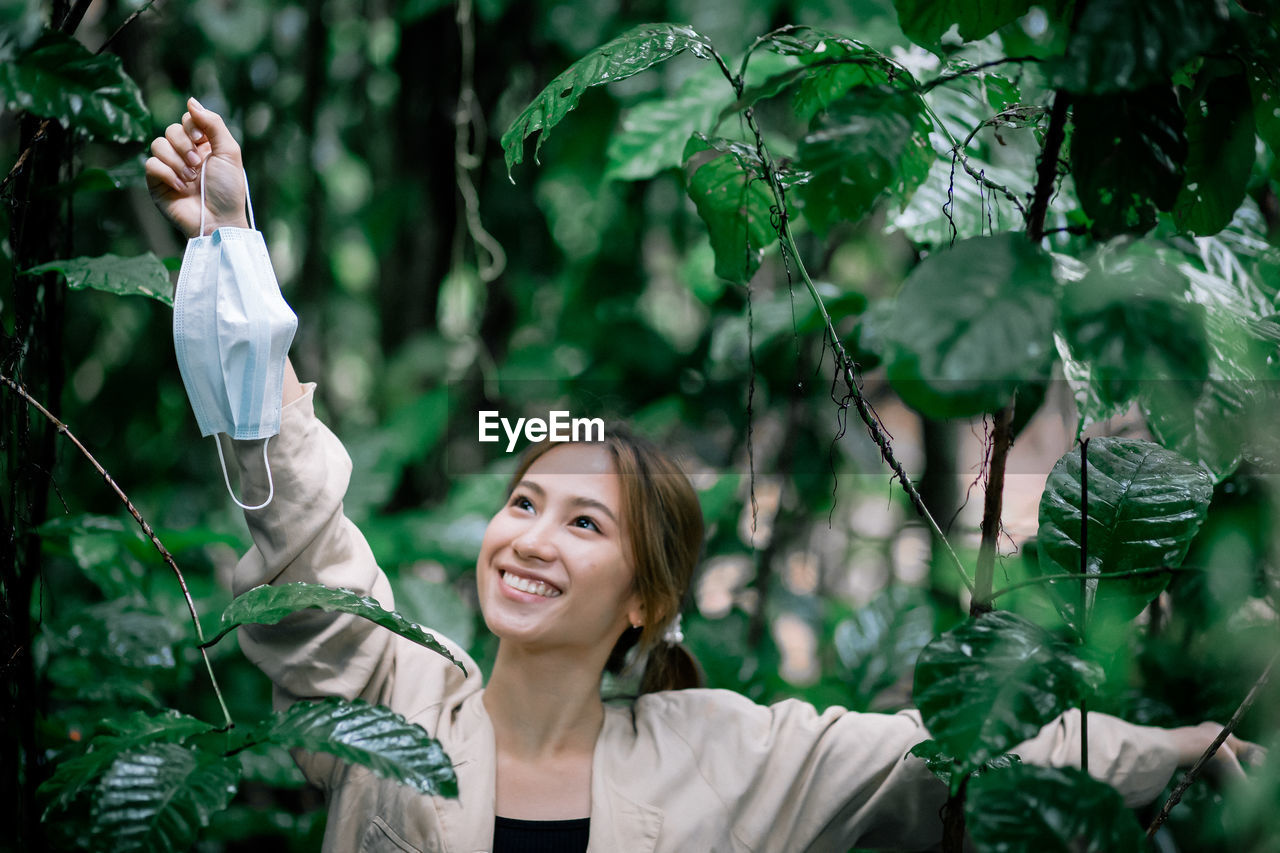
(818, 581)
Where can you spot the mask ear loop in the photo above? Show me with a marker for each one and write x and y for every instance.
(247, 200)
(202, 165)
(271, 486)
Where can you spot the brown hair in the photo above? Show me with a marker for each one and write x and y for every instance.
(662, 524)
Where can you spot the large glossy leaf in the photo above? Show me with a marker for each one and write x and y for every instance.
(58, 78)
(993, 682)
(1127, 154)
(1216, 423)
(870, 145)
(1145, 506)
(971, 325)
(268, 604)
(1220, 132)
(1029, 809)
(879, 643)
(654, 133)
(1264, 88)
(157, 798)
(1135, 44)
(732, 196)
(943, 765)
(925, 21)
(369, 735)
(142, 275)
(1128, 323)
(118, 736)
(628, 54)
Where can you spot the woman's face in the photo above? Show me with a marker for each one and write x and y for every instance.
(554, 570)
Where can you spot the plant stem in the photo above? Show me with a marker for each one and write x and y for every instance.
(953, 830)
(1075, 576)
(843, 362)
(1047, 170)
(993, 506)
(1191, 774)
(146, 528)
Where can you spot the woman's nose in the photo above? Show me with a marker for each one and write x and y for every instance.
(534, 543)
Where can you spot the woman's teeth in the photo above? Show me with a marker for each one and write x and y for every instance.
(530, 586)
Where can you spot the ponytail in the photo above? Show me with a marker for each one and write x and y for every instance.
(670, 666)
(667, 666)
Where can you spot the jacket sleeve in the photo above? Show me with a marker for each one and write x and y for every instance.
(303, 535)
(836, 779)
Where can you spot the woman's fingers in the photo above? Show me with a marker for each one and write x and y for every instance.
(210, 124)
(164, 165)
(185, 151)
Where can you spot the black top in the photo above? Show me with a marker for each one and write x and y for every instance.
(540, 836)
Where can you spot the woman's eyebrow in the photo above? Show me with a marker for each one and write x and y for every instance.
(579, 500)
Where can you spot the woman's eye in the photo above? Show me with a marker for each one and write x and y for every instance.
(586, 523)
(521, 502)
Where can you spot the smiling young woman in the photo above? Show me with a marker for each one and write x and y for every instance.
(587, 560)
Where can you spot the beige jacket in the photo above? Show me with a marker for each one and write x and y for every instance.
(700, 770)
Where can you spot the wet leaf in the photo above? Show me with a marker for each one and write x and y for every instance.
(58, 78)
(1220, 133)
(369, 735)
(1146, 504)
(628, 54)
(142, 275)
(157, 798)
(971, 324)
(267, 605)
(993, 682)
(733, 199)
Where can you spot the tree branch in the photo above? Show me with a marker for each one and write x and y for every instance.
(146, 528)
(1047, 170)
(1075, 576)
(1230, 727)
(1001, 441)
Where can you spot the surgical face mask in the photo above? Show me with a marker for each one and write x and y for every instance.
(231, 331)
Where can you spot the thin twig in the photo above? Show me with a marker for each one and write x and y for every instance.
(1218, 741)
(930, 85)
(1101, 576)
(127, 21)
(146, 528)
(844, 364)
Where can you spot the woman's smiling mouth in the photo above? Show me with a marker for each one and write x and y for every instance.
(528, 585)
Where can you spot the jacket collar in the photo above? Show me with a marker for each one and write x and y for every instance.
(617, 821)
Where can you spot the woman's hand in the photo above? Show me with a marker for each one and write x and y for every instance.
(173, 172)
(1192, 741)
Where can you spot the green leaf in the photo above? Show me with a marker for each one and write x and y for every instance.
(837, 66)
(925, 21)
(1031, 809)
(1145, 506)
(1127, 154)
(268, 604)
(1217, 422)
(654, 133)
(628, 54)
(369, 735)
(971, 325)
(879, 643)
(1220, 132)
(1135, 44)
(943, 765)
(993, 682)
(1129, 322)
(159, 797)
(118, 736)
(143, 275)
(871, 144)
(58, 78)
(733, 198)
